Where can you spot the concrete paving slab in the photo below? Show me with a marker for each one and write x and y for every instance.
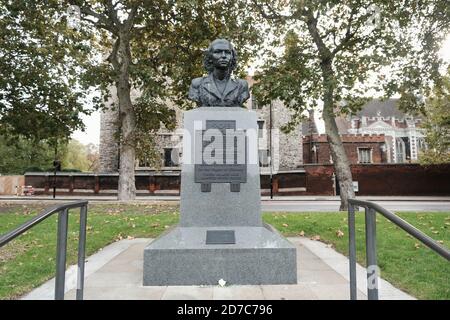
(120, 293)
(93, 264)
(334, 292)
(116, 273)
(238, 293)
(339, 263)
(321, 277)
(188, 293)
(289, 292)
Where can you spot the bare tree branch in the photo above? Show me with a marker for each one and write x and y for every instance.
(273, 14)
(311, 22)
(112, 12)
(102, 21)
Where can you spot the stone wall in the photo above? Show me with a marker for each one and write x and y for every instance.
(286, 147)
(109, 146)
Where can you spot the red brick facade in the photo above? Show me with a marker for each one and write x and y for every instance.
(383, 179)
(317, 179)
(316, 148)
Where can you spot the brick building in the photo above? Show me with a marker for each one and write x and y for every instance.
(403, 135)
(359, 149)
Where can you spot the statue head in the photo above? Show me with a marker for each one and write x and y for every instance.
(221, 55)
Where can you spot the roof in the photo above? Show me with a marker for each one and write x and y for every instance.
(382, 108)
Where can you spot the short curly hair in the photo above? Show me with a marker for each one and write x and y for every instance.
(207, 59)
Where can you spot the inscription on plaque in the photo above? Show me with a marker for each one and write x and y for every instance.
(221, 155)
(220, 237)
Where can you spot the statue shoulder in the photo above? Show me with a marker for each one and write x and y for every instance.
(196, 82)
(243, 91)
(243, 83)
(194, 90)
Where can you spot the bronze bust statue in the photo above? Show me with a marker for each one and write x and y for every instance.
(218, 89)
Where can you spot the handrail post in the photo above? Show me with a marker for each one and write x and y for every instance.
(371, 254)
(81, 252)
(63, 219)
(352, 250)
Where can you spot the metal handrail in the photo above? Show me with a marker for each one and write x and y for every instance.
(371, 257)
(61, 250)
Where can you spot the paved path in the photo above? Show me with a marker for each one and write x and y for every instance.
(116, 273)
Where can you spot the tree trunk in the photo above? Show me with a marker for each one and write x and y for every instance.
(127, 187)
(340, 160)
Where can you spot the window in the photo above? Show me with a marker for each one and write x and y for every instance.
(400, 150)
(364, 155)
(421, 145)
(260, 128)
(170, 157)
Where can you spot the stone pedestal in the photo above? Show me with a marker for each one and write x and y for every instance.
(220, 191)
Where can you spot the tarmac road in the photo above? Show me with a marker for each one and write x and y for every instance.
(333, 205)
(278, 204)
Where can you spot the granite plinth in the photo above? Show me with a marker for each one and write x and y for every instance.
(220, 190)
(220, 206)
(182, 257)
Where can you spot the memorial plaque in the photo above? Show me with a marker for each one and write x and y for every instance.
(220, 237)
(223, 154)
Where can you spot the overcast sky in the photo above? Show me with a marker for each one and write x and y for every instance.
(92, 122)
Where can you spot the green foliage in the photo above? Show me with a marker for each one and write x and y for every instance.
(387, 46)
(77, 157)
(19, 155)
(437, 125)
(44, 68)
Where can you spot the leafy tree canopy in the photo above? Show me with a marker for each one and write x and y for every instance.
(376, 46)
(437, 125)
(45, 70)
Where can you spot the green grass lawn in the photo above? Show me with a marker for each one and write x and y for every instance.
(29, 260)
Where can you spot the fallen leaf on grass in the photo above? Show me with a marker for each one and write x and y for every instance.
(315, 238)
(417, 245)
(339, 234)
(435, 232)
(440, 241)
(302, 233)
(285, 225)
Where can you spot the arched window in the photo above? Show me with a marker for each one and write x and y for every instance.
(400, 150)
